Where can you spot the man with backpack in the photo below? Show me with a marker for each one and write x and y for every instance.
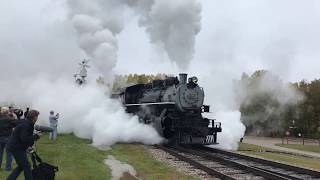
(21, 139)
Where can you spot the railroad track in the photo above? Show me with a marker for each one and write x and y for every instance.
(229, 165)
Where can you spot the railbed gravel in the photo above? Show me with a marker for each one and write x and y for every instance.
(181, 166)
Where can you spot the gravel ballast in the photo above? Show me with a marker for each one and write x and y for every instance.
(181, 166)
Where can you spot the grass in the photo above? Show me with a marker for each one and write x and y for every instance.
(74, 157)
(251, 147)
(143, 162)
(77, 160)
(311, 148)
(286, 158)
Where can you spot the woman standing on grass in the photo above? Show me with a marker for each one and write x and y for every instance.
(22, 138)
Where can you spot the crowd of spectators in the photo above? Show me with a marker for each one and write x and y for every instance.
(17, 136)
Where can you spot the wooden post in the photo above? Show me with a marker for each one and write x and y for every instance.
(287, 140)
(282, 140)
(303, 141)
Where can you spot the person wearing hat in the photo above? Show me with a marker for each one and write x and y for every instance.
(21, 139)
(7, 123)
(53, 120)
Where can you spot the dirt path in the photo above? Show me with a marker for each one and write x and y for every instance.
(270, 143)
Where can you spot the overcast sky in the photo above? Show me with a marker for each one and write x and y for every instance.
(236, 36)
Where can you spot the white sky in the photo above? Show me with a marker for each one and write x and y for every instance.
(236, 36)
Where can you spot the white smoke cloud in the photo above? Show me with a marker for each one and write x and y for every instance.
(253, 91)
(219, 95)
(172, 25)
(98, 42)
(232, 128)
(86, 111)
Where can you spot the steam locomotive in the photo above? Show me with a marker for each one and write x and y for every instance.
(174, 107)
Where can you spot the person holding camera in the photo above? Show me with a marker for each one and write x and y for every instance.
(7, 123)
(53, 120)
(21, 139)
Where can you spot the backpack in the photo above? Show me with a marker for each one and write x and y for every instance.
(42, 171)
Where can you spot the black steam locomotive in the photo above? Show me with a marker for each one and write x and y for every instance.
(174, 107)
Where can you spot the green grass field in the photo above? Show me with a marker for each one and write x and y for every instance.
(286, 158)
(144, 163)
(311, 148)
(77, 160)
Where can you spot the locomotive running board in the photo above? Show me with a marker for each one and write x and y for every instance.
(148, 104)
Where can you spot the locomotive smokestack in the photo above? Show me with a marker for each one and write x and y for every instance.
(183, 78)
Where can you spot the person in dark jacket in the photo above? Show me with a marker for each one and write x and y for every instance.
(22, 137)
(6, 125)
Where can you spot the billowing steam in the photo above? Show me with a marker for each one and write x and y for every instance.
(220, 96)
(269, 98)
(97, 23)
(85, 111)
(171, 25)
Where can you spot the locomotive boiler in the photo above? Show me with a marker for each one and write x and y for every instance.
(174, 107)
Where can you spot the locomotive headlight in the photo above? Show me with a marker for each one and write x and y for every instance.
(195, 80)
(192, 82)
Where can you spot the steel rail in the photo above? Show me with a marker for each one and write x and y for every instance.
(253, 170)
(298, 170)
(210, 171)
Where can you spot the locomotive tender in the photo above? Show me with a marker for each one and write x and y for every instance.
(174, 107)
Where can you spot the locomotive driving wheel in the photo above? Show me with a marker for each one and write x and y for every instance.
(168, 131)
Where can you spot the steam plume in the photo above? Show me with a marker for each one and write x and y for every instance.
(172, 25)
(97, 23)
(269, 97)
(84, 111)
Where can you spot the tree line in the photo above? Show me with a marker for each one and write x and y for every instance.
(271, 107)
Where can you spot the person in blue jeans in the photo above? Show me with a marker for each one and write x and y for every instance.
(6, 125)
(3, 142)
(53, 120)
(21, 139)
